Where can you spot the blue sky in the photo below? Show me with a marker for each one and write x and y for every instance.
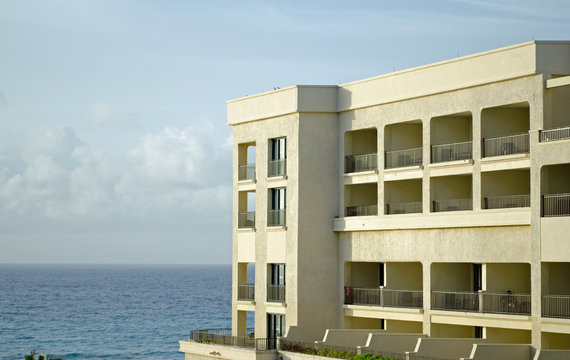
(113, 143)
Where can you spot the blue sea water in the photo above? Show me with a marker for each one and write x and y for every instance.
(109, 311)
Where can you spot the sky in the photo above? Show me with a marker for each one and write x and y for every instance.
(114, 146)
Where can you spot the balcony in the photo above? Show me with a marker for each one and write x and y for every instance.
(246, 220)
(506, 145)
(452, 205)
(404, 208)
(276, 293)
(403, 158)
(486, 302)
(277, 168)
(246, 172)
(224, 337)
(383, 297)
(556, 306)
(246, 292)
(451, 152)
(556, 205)
(276, 217)
(359, 163)
(561, 133)
(362, 210)
(507, 201)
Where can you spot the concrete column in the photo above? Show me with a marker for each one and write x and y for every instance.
(380, 151)
(477, 156)
(426, 198)
(426, 274)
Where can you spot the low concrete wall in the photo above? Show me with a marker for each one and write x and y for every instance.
(392, 343)
(552, 355)
(500, 352)
(347, 337)
(446, 348)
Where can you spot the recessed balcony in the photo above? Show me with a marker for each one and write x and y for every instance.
(246, 292)
(246, 220)
(556, 306)
(561, 133)
(403, 158)
(506, 202)
(383, 297)
(361, 210)
(506, 145)
(485, 302)
(556, 205)
(246, 172)
(360, 163)
(404, 208)
(451, 152)
(452, 205)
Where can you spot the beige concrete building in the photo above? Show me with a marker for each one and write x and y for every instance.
(432, 201)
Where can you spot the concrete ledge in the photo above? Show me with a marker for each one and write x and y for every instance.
(379, 312)
(500, 352)
(442, 348)
(200, 351)
(519, 322)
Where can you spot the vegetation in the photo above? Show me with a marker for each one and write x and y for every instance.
(331, 353)
(32, 356)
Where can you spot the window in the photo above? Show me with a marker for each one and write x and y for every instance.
(278, 158)
(276, 213)
(275, 326)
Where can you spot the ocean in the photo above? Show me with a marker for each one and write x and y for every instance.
(109, 311)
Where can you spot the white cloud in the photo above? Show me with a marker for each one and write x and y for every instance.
(177, 172)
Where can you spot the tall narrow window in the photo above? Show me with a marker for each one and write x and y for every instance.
(275, 328)
(278, 158)
(276, 213)
(477, 277)
(276, 283)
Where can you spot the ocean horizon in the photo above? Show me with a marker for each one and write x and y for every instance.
(109, 311)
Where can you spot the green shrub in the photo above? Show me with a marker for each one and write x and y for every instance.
(323, 352)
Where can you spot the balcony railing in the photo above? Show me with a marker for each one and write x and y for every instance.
(246, 292)
(246, 172)
(332, 351)
(404, 208)
(506, 303)
(358, 163)
(362, 210)
(276, 293)
(556, 306)
(555, 134)
(224, 337)
(402, 158)
(277, 168)
(276, 217)
(506, 145)
(452, 205)
(500, 303)
(246, 220)
(507, 201)
(556, 205)
(451, 152)
(383, 297)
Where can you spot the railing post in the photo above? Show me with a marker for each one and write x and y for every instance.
(480, 298)
(381, 295)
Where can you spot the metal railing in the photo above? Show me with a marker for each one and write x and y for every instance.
(362, 210)
(452, 205)
(404, 208)
(506, 145)
(402, 158)
(560, 133)
(332, 351)
(358, 163)
(383, 297)
(276, 217)
(556, 306)
(246, 172)
(246, 220)
(246, 292)
(224, 337)
(506, 303)
(486, 302)
(506, 201)
(276, 293)
(456, 300)
(277, 168)
(451, 152)
(556, 205)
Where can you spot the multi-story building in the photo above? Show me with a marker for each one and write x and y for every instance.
(433, 200)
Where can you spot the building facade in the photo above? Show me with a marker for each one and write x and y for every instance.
(434, 201)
